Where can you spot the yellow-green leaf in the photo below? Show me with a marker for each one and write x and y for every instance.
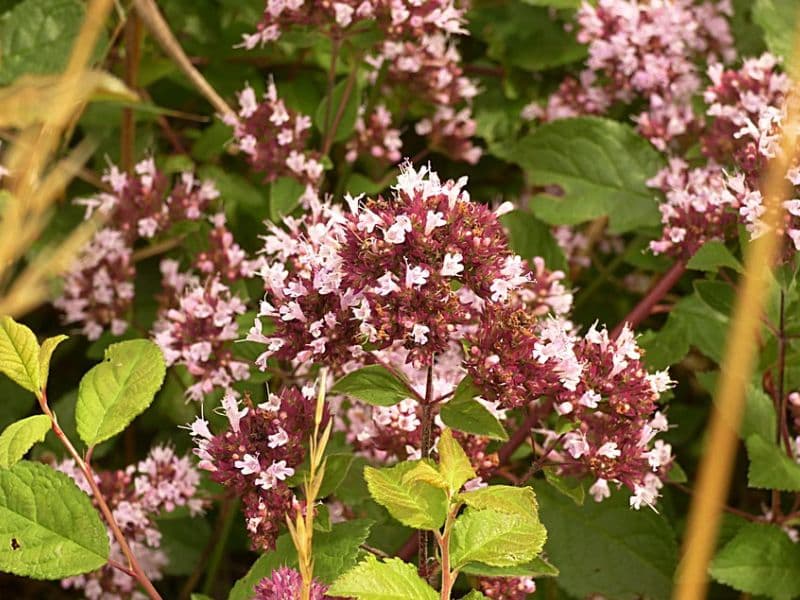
(454, 464)
(45, 354)
(19, 354)
(19, 437)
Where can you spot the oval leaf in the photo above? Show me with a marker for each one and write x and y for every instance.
(19, 354)
(19, 437)
(374, 385)
(118, 390)
(48, 527)
(382, 580)
(414, 503)
(464, 413)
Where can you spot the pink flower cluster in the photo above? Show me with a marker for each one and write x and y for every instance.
(375, 137)
(197, 331)
(415, 54)
(507, 588)
(224, 258)
(98, 289)
(274, 137)
(645, 50)
(426, 279)
(143, 204)
(597, 383)
(287, 584)
(698, 208)
(137, 495)
(256, 454)
(387, 271)
(746, 106)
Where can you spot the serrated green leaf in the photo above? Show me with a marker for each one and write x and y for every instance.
(770, 468)
(284, 554)
(760, 560)
(48, 526)
(530, 237)
(607, 548)
(373, 384)
(474, 595)
(503, 498)
(118, 390)
(711, 256)
(601, 165)
(415, 504)
(426, 472)
(464, 413)
(390, 579)
(19, 354)
(45, 354)
(19, 437)
(538, 567)
(37, 36)
(454, 463)
(500, 539)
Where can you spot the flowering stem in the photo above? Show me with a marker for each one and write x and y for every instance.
(425, 451)
(88, 474)
(644, 307)
(330, 132)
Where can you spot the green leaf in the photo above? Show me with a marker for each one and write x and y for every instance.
(527, 37)
(284, 196)
(416, 504)
(464, 413)
(770, 468)
(390, 579)
(335, 552)
(48, 527)
(778, 19)
(373, 384)
(530, 237)
(37, 37)
(713, 255)
(20, 437)
(348, 113)
(607, 548)
(453, 461)
(504, 499)
(705, 328)
(118, 390)
(760, 560)
(19, 354)
(424, 471)
(572, 488)
(602, 167)
(500, 539)
(336, 468)
(538, 567)
(717, 294)
(45, 353)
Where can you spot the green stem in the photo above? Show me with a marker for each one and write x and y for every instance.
(229, 510)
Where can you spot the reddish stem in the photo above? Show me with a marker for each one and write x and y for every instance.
(645, 306)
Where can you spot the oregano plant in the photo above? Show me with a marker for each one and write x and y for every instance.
(399, 299)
